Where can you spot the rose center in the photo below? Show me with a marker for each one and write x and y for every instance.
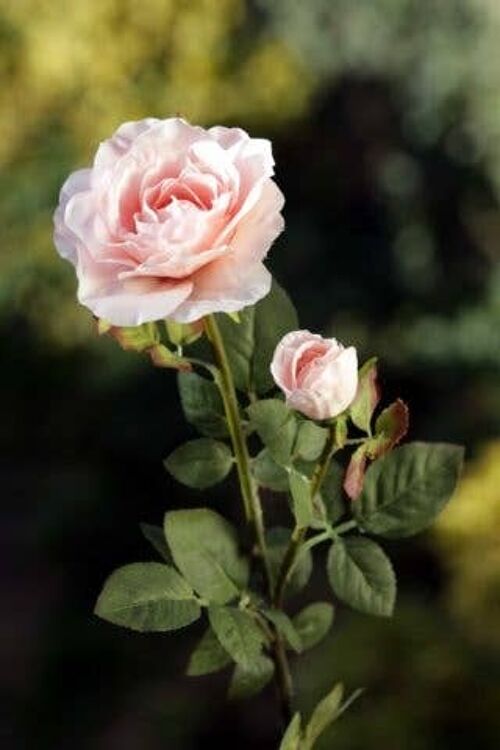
(308, 357)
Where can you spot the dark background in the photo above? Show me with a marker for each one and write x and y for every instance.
(385, 120)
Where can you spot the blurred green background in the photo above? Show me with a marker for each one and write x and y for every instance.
(385, 119)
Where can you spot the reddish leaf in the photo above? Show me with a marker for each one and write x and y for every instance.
(390, 428)
(355, 474)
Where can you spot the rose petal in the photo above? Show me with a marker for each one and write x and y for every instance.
(126, 303)
(78, 182)
(229, 289)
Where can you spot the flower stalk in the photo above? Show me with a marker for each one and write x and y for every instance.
(251, 503)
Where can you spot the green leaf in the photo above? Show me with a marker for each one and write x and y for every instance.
(268, 473)
(239, 345)
(238, 634)
(286, 627)
(332, 492)
(200, 463)
(250, 344)
(361, 575)
(248, 681)
(405, 490)
(156, 537)
(323, 716)
(208, 656)
(206, 551)
(310, 441)
(277, 539)
(313, 623)
(300, 489)
(292, 736)
(147, 597)
(367, 396)
(202, 404)
(276, 425)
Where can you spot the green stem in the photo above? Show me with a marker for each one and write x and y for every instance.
(224, 380)
(299, 532)
(328, 534)
(283, 680)
(318, 539)
(251, 501)
(343, 527)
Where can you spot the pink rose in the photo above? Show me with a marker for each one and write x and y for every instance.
(318, 376)
(170, 221)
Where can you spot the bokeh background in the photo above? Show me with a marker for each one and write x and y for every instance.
(385, 119)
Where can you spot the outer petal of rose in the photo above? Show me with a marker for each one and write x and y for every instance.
(229, 138)
(229, 288)
(256, 233)
(281, 368)
(113, 148)
(64, 239)
(80, 216)
(293, 339)
(349, 368)
(282, 362)
(255, 171)
(126, 304)
(313, 404)
(254, 159)
(338, 381)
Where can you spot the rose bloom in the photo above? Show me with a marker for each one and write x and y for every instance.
(170, 221)
(318, 376)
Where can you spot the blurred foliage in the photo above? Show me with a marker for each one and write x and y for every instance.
(442, 57)
(385, 119)
(467, 536)
(416, 667)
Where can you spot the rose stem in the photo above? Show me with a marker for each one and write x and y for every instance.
(299, 532)
(251, 502)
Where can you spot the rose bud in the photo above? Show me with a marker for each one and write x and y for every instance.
(318, 376)
(170, 221)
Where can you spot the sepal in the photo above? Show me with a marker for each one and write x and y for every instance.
(183, 334)
(367, 396)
